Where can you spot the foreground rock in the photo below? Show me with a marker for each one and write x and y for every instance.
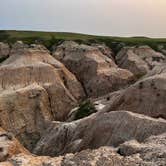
(100, 129)
(152, 152)
(97, 72)
(139, 60)
(9, 146)
(34, 89)
(4, 51)
(103, 156)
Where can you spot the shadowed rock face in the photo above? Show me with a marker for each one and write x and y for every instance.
(34, 89)
(37, 92)
(97, 72)
(101, 129)
(139, 60)
(4, 50)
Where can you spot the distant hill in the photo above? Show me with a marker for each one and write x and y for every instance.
(50, 38)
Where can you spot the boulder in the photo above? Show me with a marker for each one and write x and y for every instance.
(139, 60)
(100, 129)
(97, 72)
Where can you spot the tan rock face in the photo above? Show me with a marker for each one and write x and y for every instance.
(9, 146)
(4, 50)
(34, 89)
(101, 129)
(25, 112)
(97, 72)
(139, 60)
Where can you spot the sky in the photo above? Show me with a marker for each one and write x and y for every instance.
(99, 17)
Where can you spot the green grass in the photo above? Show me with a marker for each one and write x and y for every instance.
(50, 38)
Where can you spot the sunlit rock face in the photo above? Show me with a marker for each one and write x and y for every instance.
(151, 152)
(97, 72)
(34, 89)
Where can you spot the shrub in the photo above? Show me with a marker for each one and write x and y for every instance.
(85, 109)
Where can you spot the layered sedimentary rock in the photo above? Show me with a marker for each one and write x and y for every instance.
(97, 72)
(101, 129)
(34, 89)
(139, 60)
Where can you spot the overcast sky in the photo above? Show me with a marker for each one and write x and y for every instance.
(102, 17)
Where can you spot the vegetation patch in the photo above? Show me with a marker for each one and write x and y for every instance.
(52, 38)
(85, 109)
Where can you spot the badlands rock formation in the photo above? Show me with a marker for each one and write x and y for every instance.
(34, 88)
(38, 91)
(139, 60)
(97, 72)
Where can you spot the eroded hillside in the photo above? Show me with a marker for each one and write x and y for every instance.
(82, 104)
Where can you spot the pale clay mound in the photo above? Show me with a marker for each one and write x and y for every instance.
(38, 90)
